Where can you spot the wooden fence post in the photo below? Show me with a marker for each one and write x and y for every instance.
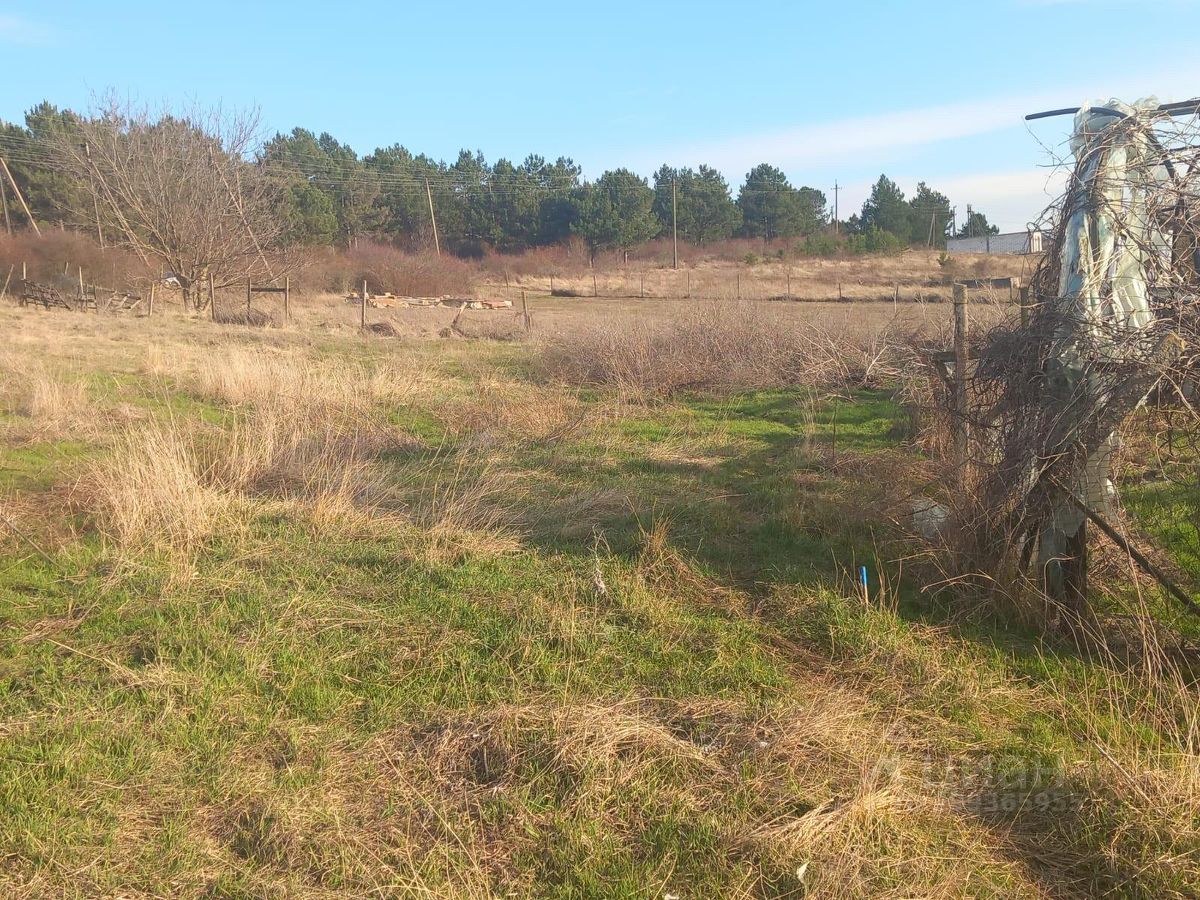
(525, 310)
(1023, 296)
(642, 289)
(789, 284)
(961, 431)
(150, 307)
(362, 307)
(595, 292)
(287, 297)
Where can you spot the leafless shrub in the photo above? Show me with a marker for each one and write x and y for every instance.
(385, 268)
(55, 257)
(719, 345)
(176, 190)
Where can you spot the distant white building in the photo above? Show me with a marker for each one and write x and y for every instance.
(1016, 242)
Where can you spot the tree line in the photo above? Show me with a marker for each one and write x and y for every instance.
(319, 191)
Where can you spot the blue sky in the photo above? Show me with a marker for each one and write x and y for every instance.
(827, 91)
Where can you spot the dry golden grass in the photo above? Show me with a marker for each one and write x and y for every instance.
(911, 276)
(308, 432)
(156, 490)
(463, 506)
(302, 432)
(502, 408)
(52, 400)
(287, 378)
(879, 830)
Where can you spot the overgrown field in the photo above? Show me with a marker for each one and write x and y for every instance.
(291, 612)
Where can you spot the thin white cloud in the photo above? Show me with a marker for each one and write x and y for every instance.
(879, 138)
(907, 139)
(863, 138)
(23, 32)
(1011, 199)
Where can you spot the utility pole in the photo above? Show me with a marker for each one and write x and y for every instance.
(674, 225)
(4, 200)
(970, 224)
(87, 148)
(433, 221)
(237, 204)
(17, 191)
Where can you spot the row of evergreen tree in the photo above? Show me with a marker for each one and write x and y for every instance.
(330, 195)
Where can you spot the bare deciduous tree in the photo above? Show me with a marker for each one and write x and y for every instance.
(178, 190)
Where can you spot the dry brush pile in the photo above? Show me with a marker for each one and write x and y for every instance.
(1112, 329)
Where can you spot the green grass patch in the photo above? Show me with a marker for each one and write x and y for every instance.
(633, 701)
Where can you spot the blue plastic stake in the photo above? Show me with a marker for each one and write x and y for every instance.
(862, 574)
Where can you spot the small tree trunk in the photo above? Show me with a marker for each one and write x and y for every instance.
(201, 298)
(1075, 572)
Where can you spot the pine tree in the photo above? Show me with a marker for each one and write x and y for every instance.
(771, 207)
(616, 212)
(930, 216)
(886, 210)
(702, 203)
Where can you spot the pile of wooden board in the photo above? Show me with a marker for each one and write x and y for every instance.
(391, 301)
(44, 295)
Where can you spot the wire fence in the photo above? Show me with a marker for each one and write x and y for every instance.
(747, 284)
